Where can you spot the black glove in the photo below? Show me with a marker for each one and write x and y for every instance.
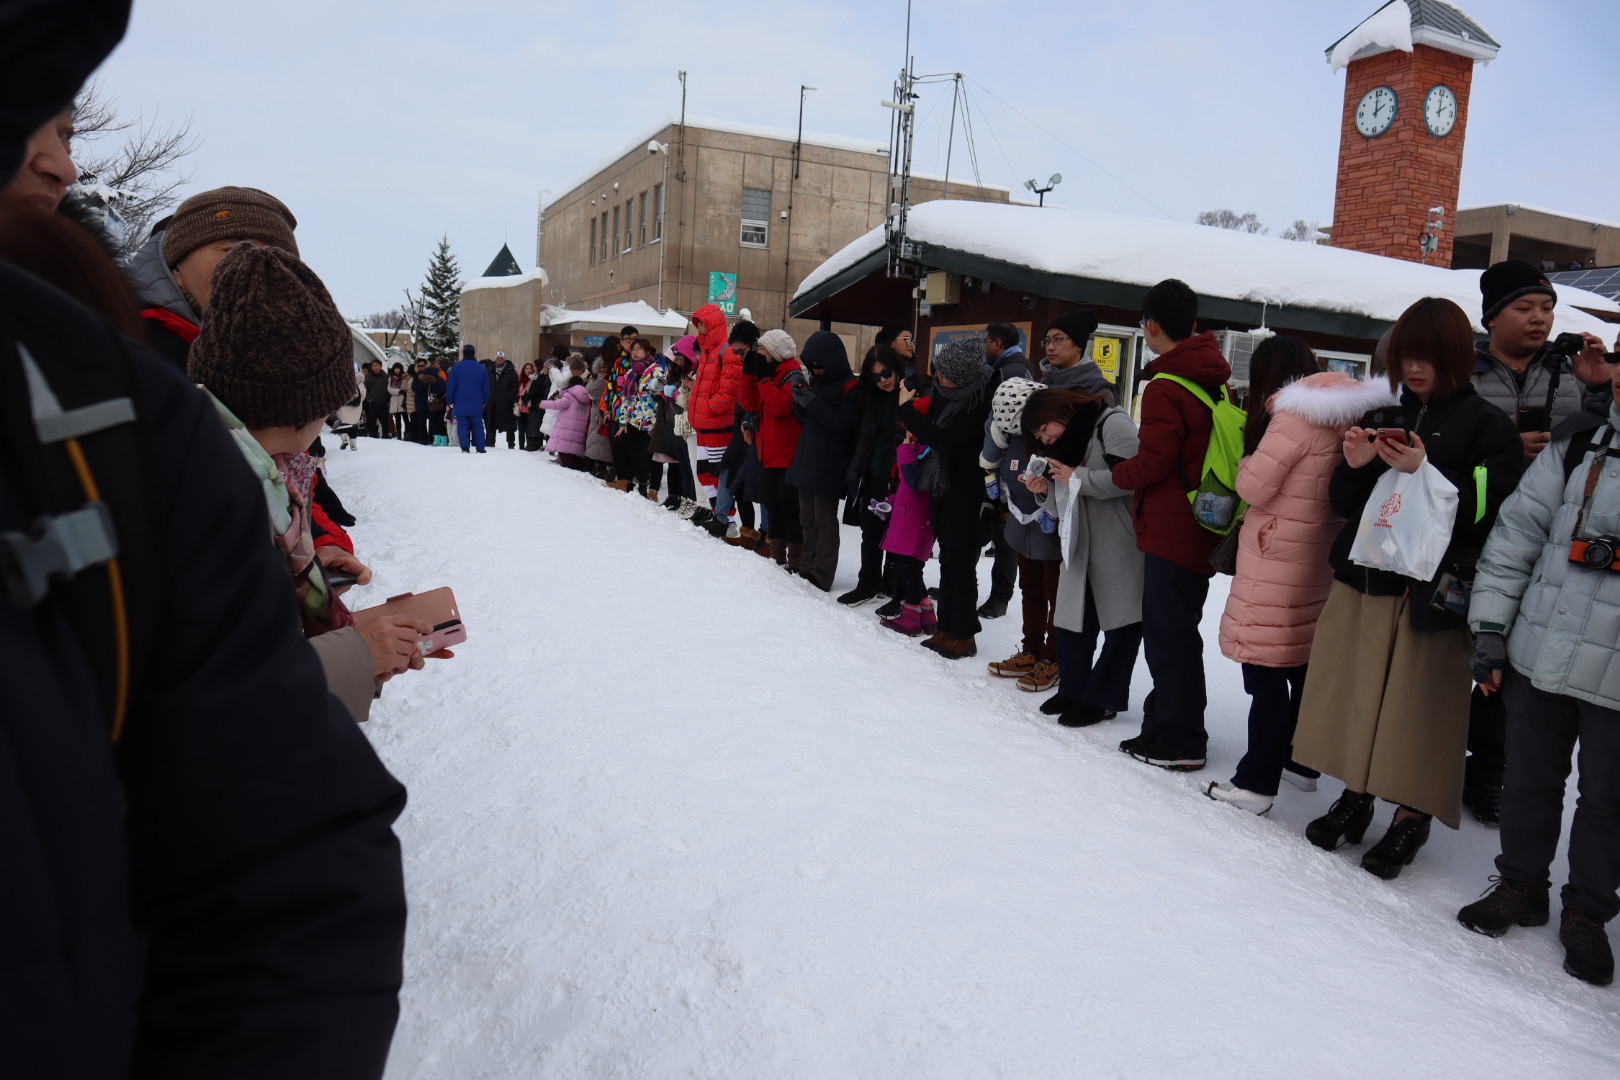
(758, 365)
(1490, 655)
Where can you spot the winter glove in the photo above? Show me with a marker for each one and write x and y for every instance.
(757, 365)
(802, 395)
(1490, 655)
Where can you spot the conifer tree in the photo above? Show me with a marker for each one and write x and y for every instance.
(441, 304)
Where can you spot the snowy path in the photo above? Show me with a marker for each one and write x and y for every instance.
(674, 814)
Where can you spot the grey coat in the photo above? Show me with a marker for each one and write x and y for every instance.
(1497, 385)
(1563, 620)
(1100, 535)
(597, 445)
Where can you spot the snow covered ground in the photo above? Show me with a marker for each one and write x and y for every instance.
(675, 814)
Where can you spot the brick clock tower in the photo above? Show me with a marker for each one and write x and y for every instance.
(1408, 69)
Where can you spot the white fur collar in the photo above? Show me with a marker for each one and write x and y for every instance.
(1332, 402)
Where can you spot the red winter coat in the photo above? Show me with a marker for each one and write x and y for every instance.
(778, 428)
(1170, 457)
(712, 407)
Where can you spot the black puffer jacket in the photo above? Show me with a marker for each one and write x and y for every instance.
(1459, 433)
(827, 413)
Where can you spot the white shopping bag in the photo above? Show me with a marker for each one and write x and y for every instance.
(1406, 526)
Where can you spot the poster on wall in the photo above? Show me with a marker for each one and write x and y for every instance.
(723, 291)
(940, 335)
(1105, 352)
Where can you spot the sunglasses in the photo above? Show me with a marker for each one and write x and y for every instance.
(880, 375)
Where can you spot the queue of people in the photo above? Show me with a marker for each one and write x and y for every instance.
(1353, 672)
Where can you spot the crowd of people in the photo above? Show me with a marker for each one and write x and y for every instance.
(1353, 671)
(194, 805)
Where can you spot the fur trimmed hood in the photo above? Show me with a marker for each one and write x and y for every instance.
(1331, 398)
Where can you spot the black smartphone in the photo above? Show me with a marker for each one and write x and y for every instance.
(1534, 418)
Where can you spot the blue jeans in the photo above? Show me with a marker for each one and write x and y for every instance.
(470, 426)
(724, 501)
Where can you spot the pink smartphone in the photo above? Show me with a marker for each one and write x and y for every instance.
(437, 608)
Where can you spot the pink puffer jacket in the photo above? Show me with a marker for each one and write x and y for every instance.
(1283, 575)
(569, 435)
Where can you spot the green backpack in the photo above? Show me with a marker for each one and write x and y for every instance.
(1215, 502)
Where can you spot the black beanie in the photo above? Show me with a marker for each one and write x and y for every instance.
(469, 350)
(272, 347)
(1508, 280)
(1079, 324)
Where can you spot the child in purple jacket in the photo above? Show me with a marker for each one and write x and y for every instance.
(910, 539)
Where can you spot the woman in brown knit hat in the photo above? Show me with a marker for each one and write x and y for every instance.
(277, 359)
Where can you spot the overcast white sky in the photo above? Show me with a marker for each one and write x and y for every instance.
(384, 125)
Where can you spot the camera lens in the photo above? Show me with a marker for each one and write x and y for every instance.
(1598, 555)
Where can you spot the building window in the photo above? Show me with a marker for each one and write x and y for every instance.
(604, 249)
(756, 217)
(641, 221)
(593, 240)
(658, 211)
(615, 230)
(629, 224)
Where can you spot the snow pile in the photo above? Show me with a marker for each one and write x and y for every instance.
(1215, 262)
(675, 814)
(1390, 27)
(636, 313)
(507, 281)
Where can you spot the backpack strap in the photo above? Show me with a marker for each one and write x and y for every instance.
(1580, 443)
(1203, 396)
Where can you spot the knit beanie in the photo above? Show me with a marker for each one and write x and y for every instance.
(1508, 280)
(1007, 406)
(273, 347)
(961, 361)
(1079, 324)
(779, 343)
(228, 213)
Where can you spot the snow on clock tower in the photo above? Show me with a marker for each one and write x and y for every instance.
(1408, 69)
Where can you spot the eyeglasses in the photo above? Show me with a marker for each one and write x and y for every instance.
(1058, 340)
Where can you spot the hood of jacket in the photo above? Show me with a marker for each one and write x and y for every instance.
(154, 284)
(1198, 358)
(711, 324)
(1084, 377)
(1331, 398)
(825, 350)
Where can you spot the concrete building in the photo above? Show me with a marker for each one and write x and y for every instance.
(715, 210)
(1489, 234)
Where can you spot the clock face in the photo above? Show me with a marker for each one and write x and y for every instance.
(1440, 111)
(1376, 111)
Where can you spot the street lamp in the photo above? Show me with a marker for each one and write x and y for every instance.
(1056, 179)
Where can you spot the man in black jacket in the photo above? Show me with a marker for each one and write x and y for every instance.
(200, 875)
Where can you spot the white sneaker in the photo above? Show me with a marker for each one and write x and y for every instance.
(1304, 783)
(1248, 800)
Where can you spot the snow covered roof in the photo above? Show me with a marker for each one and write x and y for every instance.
(1101, 258)
(1401, 24)
(507, 281)
(638, 313)
(1541, 210)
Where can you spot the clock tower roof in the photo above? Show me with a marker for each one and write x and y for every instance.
(1432, 22)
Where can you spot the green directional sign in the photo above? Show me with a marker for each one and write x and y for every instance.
(723, 291)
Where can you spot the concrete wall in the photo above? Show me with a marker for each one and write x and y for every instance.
(506, 318)
(838, 195)
(1388, 183)
(1489, 234)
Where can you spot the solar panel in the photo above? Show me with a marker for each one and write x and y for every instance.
(1603, 280)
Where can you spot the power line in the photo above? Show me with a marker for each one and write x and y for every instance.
(1061, 141)
(1012, 172)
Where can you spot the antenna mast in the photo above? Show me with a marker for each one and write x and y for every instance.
(905, 111)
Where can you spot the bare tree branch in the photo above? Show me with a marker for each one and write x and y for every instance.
(138, 177)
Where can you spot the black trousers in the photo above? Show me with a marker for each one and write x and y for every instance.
(1543, 731)
(1487, 739)
(907, 580)
(1105, 683)
(1172, 605)
(782, 507)
(376, 419)
(876, 564)
(631, 458)
(956, 529)
(1004, 570)
(818, 520)
(1273, 713)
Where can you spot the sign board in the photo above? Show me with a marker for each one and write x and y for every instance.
(940, 335)
(723, 291)
(1106, 351)
(594, 340)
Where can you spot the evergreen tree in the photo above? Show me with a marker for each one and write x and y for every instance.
(441, 304)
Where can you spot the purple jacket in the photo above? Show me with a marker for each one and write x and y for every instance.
(568, 437)
(911, 531)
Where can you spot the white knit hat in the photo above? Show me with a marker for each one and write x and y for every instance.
(779, 344)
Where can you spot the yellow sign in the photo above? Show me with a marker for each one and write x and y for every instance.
(1105, 351)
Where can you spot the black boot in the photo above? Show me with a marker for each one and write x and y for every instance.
(1509, 904)
(1400, 845)
(1345, 822)
(1587, 954)
(1486, 802)
(1056, 705)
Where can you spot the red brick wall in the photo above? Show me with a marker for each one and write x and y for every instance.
(1387, 184)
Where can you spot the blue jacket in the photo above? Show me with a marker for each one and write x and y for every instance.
(468, 389)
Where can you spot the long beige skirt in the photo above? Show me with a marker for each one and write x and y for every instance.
(1385, 707)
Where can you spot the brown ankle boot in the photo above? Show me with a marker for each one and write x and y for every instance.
(778, 551)
(795, 552)
(762, 546)
(952, 648)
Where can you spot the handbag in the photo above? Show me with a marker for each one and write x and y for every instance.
(1223, 560)
(1406, 525)
(853, 503)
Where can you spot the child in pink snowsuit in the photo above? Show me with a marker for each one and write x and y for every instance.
(910, 539)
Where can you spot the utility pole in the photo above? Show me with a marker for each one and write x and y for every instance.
(680, 174)
(905, 111)
(787, 258)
